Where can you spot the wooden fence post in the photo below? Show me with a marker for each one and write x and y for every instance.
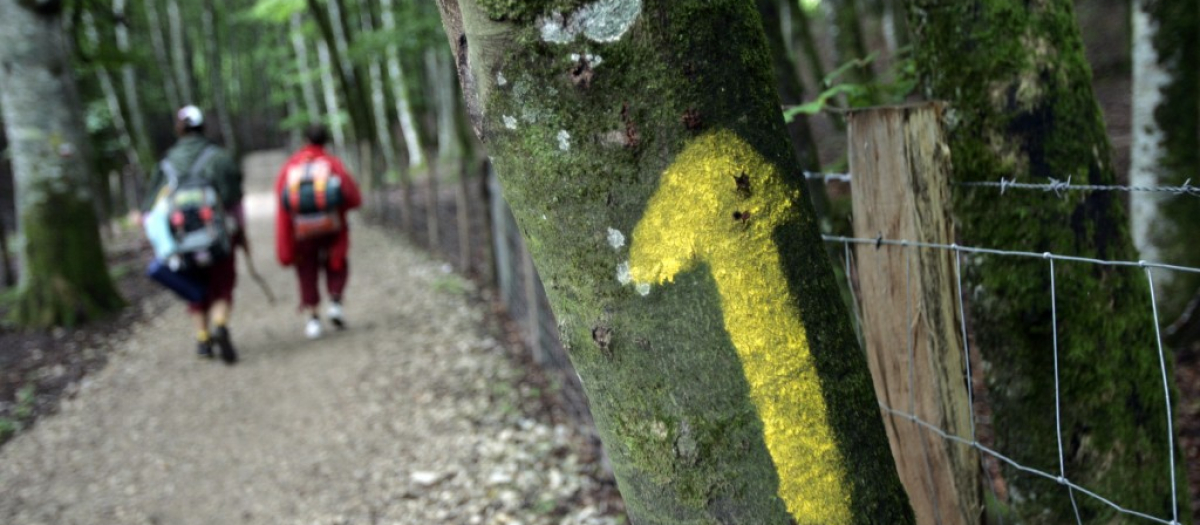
(900, 164)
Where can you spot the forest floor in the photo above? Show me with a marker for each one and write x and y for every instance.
(419, 412)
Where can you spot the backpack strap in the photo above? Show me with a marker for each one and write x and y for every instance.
(194, 171)
(202, 160)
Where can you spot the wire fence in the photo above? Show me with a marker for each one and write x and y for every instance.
(1056, 186)
(972, 440)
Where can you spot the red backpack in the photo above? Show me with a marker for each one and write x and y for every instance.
(312, 194)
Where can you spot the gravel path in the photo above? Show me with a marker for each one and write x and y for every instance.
(408, 416)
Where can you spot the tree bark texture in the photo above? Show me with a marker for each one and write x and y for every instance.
(1166, 148)
(1022, 107)
(643, 152)
(64, 279)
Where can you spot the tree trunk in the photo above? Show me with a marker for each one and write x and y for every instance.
(654, 183)
(216, 74)
(1019, 86)
(895, 28)
(64, 280)
(113, 101)
(159, 47)
(1166, 149)
(133, 101)
(307, 79)
(848, 43)
(379, 107)
(333, 110)
(179, 53)
(412, 139)
(440, 82)
(334, 32)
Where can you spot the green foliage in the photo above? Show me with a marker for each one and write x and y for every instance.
(22, 411)
(277, 11)
(450, 284)
(903, 73)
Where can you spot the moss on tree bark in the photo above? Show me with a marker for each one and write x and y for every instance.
(588, 113)
(64, 277)
(1019, 84)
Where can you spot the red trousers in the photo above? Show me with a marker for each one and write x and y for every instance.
(312, 256)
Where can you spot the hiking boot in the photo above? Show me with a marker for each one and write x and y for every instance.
(204, 349)
(335, 315)
(221, 339)
(312, 329)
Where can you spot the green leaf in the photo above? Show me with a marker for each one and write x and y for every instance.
(275, 10)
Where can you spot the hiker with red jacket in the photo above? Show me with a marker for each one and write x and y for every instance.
(315, 191)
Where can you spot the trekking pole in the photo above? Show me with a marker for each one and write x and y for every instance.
(254, 273)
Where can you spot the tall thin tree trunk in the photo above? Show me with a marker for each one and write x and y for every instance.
(1166, 148)
(848, 42)
(159, 46)
(129, 84)
(179, 53)
(216, 74)
(64, 280)
(379, 105)
(683, 264)
(895, 27)
(113, 101)
(412, 139)
(332, 108)
(441, 85)
(307, 78)
(1027, 112)
(357, 98)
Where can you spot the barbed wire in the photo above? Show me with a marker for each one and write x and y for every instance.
(973, 441)
(880, 241)
(1058, 187)
(827, 177)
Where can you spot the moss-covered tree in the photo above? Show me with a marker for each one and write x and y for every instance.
(1020, 89)
(64, 279)
(642, 149)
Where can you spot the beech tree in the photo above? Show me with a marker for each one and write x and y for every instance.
(1166, 149)
(1019, 87)
(641, 147)
(64, 279)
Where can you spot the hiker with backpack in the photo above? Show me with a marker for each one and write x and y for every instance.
(193, 217)
(314, 192)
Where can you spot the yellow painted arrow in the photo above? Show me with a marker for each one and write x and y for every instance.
(719, 203)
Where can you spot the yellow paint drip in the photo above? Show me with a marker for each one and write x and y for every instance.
(698, 215)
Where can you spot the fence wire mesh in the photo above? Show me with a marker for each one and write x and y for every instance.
(1060, 476)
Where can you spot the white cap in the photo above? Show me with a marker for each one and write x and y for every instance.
(190, 116)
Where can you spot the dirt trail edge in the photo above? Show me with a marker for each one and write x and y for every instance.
(408, 416)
